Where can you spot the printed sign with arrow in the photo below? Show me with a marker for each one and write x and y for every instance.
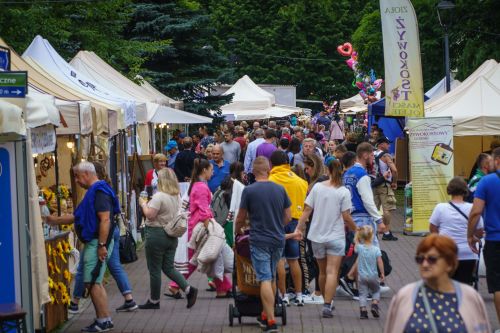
(13, 84)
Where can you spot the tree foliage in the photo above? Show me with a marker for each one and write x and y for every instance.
(189, 66)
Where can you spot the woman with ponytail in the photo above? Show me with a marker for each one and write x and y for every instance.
(331, 203)
(200, 197)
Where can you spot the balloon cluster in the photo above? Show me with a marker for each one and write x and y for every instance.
(368, 84)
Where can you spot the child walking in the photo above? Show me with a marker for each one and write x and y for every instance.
(369, 257)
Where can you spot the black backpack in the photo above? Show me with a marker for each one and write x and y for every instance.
(219, 207)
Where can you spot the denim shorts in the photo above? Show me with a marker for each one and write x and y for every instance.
(331, 248)
(264, 261)
(292, 249)
(365, 219)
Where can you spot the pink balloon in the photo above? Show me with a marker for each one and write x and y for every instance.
(377, 84)
(360, 85)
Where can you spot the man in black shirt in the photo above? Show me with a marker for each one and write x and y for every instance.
(185, 161)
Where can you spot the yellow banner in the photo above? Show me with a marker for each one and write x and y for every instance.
(431, 163)
(404, 90)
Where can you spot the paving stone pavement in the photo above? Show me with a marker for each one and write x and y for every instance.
(211, 315)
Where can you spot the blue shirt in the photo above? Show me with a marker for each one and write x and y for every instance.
(171, 160)
(367, 260)
(351, 178)
(218, 176)
(488, 189)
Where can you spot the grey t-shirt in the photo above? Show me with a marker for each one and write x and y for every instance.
(231, 151)
(266, 203)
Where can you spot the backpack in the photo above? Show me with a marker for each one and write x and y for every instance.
(219, 207)
(378, 179)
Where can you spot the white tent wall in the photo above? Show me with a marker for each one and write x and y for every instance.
(11, 119)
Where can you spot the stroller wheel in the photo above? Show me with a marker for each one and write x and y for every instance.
(231, 315)
(283, 315)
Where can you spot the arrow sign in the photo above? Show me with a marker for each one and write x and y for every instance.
(13, 84)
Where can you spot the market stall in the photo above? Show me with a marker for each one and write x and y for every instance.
(250, 102)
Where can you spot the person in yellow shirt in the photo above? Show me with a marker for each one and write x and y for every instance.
(296, 189)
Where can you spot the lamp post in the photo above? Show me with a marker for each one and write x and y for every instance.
(442, 7)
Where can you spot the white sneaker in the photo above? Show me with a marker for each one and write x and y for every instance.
(314, 299)
(385, 289)
(299, 300)
(291, 296)
(285, 300)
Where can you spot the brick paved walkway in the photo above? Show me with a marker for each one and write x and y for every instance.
(211, 315)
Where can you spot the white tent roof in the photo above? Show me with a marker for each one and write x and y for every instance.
(252, 102)
(357, 102)
(94, 67)
(47, 57)
(488, 66)
(474, 111)
(440, 88)
(159, 97)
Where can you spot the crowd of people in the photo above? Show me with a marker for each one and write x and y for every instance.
(306, 195)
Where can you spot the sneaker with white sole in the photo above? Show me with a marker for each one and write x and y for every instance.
(128, 306)
(314, 299)
(285, 300)
(299, 300)
(99, 327)
(73, 308)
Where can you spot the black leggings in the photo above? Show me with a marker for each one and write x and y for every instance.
(465, 271)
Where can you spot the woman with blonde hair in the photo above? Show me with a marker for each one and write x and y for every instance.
(160, 247)
(331, 202)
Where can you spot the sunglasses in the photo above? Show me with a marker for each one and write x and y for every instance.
(431, 260)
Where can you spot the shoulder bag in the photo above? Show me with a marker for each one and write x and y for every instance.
(178, 226)
(128, 247)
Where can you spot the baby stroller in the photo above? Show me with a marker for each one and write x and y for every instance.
(246, 292)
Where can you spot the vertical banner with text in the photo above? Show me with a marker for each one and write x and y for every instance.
(404, 88)
(431, 163)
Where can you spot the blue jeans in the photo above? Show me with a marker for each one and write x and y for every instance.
(114, 266)
(366, 219)
(264, 261)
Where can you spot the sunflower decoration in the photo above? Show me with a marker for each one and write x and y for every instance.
(63, 192)
(48, 194)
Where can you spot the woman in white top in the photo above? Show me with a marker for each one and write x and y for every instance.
(331, 203)
(451, 219)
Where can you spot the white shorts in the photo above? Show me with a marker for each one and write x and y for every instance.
(331, 248)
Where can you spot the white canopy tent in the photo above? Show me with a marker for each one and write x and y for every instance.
(439, 89)
(252, 102)
(488, 66)
(41, 52)
(474, 111)
(355, 104)
(94, 67)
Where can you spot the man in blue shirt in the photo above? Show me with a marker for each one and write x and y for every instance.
(221, 168)
(487, 204)
(172, 151)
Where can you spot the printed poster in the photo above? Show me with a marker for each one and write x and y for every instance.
(431, 163)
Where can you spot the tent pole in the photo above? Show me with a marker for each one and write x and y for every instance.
(56, 169)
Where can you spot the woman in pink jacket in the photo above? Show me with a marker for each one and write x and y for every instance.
(200, 197)
(437, 303)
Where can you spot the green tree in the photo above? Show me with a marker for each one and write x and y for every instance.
(189, 67)
(289, 42)
(70, 27)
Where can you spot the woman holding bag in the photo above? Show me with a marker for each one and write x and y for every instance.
(200, 197)
(160, 247)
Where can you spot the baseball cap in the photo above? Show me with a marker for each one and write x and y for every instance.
(171, 145)
(383, 140)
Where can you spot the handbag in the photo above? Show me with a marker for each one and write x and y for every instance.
(128, 247)
(178, 226)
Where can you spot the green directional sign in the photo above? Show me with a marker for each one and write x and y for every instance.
(13, 84)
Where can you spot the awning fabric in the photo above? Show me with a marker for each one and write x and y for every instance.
(41, 110)
(11, 119)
